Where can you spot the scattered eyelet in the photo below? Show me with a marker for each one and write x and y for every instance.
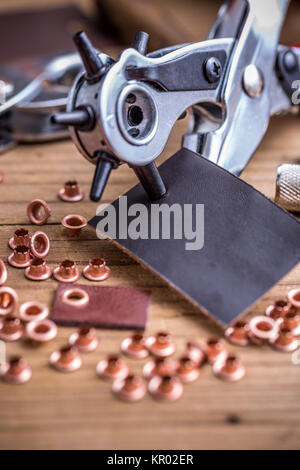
(278, 309)
(195, 352)
(96, 270)
(67, 271)
(38, 270)
(135, 346)
(231, 370)
(40, 245)
(132, 388)
(21, 237)
(3, 273)
(112, 368)
(8, 300)
(166, 388)
(67, 359)
(294, 297)
(292, 321)
(285, 341)
(84, 339)
(73, 224)
(187, 370)
(161, 345)
(33, 311)
(11, 329)
(159, 366)
(38, 211)
(75, 297)
(71, 192)
(215, 350)
(41, 331)
(262, 328)
(237, 334)
(20, 257)
(16, 371)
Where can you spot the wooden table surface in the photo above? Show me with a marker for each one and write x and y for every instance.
(78, 411)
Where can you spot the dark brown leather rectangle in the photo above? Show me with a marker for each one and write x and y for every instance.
(250, 242)
(108, 307)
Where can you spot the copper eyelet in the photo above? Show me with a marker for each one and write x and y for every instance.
(187, 370)
(262, 328)
(96, 270)
(40, 245)
(73, 224)
(21, 237)
(286, 340)
(166, 388)
(8, 300)
(215, 350)
(16, 371)
(3, 273)
(238, 333)
(33, 311)
(75, 297)
(84, 339)
(231, 370)
(41, 331)
(38, 211)
(11, 329)
(195, 352)
(135, 346)
(112, 368)
(20, 258)
(161, 345)
(159, 366)
(294, 297)
(71, 192)
(292, 321)
(132, 388)
(67, 359)
(38, 270)
(67, 271)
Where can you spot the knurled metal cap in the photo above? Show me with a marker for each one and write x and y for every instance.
(288, 187)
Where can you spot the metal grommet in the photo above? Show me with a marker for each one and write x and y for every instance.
(285, 341)
(20, 258)
(195, 352)
(231, 370)
(215, 350)
(8, 300)
(187, 370)
(67, 359)
(75, 297)
(84, 339)
(262, 328)
(38, 211)
(33, 311)
(3, 273)
(135, 346)
(96, 270)
(166, 388)
(11, 329)
(71, 192)
(112, 368)
(41, 331)
(294, 297)
(21, 237)
(73, 223)
(40, 245)
(237, 334)
(292, 321)
(38, 270)
(161, 345)
(16, 371)
(158, 366)
(130, 389)
(67, 271)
